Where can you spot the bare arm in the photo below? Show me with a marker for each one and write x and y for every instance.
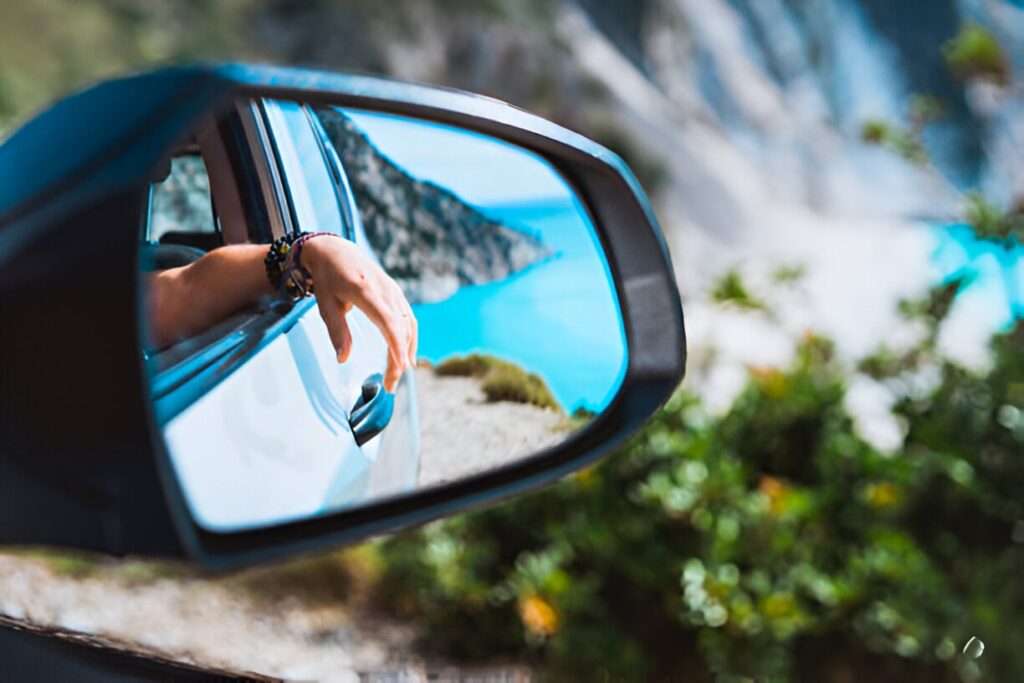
(185, 301)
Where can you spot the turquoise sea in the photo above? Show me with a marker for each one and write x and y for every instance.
(991, 271)
(558, 317)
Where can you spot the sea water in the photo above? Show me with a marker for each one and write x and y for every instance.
(558, 317)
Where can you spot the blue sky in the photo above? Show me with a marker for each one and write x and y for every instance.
(485, 171)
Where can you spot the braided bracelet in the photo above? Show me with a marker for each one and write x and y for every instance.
(284, 268)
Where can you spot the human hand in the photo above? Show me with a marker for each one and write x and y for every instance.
(344, 277)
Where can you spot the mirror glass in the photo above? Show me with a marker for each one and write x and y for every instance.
(477, 248)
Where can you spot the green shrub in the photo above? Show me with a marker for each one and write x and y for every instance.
(516, 385)
(905, 143)
(788, 274)
(975, 53)
(770, 543)
(500, 379)
(731, 289)
(473, 365)
(924, 110)
(990, 222)
(874, 131)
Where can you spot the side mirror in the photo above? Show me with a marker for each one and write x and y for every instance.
(549, 324)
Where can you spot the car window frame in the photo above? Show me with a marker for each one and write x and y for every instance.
(228, 345)
(338, 185)
(335, 166)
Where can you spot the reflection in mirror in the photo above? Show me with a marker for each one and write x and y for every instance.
(459, 263)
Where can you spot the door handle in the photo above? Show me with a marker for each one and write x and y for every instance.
(372, 411)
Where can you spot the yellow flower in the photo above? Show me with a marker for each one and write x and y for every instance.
(771, 381)
(882, 495)
(776, 491)
(538, 615)
(587, 477)
(779, 606)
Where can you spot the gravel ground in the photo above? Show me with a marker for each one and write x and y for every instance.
(231, 622)
(307, 620)
(462, 434)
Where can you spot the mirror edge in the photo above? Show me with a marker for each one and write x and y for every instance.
(644, 283)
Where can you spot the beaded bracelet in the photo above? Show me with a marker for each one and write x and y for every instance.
(284, 267)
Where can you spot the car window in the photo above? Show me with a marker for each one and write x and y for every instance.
(184, 224)
(312, 190)
(182, 202)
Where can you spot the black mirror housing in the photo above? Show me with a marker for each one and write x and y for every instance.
(82, 459)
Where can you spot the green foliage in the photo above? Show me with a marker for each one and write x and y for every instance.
(903, 142)
(991, 223)
(50, 47)
(933, 308)
(906, 142)
(514, 384)
(924, 110)
(930, 310)
(138, 571)
(874, 131)
(988, 220)
(69, 563)
(472, 365)
(771, 543)
(975, 53)
(789, 274)
(731, 289)
(500, 380)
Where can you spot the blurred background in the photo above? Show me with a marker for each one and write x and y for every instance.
(837, 490)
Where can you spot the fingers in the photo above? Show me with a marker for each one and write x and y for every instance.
(398, 354)
(344, 277)
(337, 328)
(392, 374)
(407, 323)
(414, 334)
(390, 312)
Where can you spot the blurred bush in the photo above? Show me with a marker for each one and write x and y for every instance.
(975, 53)
(771, 542)
(730, 289)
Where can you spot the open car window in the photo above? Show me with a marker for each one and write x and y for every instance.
(181, 209)
(295, 180)
(231, 171)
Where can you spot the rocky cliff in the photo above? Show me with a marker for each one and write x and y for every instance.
(428, 239)
(741, 117)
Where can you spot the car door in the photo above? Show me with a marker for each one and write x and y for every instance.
(279, 423)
